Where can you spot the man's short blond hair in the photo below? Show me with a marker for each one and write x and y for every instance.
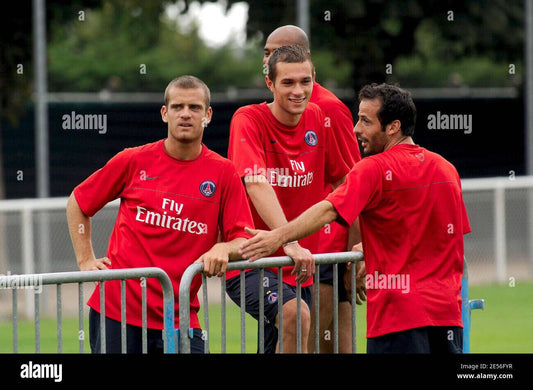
(189, 82)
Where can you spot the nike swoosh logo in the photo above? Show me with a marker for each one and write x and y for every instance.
(151, 178)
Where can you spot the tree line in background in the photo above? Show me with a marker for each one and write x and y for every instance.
(128, 45)
(124, 46)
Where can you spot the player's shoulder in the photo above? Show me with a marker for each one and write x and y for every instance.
(370, 163)
(441, 161)
(251, 110)
(326, 99)
(131, 152)
(149, 147)
(217, 159)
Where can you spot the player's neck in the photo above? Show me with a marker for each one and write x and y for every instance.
(181, 150)
(404, 139)
(283, 116)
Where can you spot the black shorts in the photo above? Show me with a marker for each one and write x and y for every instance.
(270, 296)
(428, 339)
(154, 337)
(326, 276)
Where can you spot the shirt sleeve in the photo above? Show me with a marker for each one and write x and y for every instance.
(236, 214)
(245, 146)
(104, 185)
(361, 191)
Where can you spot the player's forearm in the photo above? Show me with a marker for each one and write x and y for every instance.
(354, 235)
(232, 248)
(309, 222)
(263, 243)
(265, 201)
(79, 226)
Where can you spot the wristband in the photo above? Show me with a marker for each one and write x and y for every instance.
(290, 242)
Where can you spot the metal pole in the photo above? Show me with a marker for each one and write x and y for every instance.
(41, 105)
(302, 11)
(500, 236)
(528, 93)
(41, 129)
(528, 105)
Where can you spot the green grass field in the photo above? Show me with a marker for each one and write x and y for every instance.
(505, 326)
(506, 323)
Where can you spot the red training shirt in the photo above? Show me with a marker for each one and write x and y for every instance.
(297, 161)
(171, 212)
(412, 217)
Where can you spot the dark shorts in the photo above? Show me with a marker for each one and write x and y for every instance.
(270, 295)
(154, 337)
(326, 276)
(428, 339)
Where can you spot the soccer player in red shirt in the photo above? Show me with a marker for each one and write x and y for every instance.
(285, 156)
(334, 237)
(412, 218)
(176, 197)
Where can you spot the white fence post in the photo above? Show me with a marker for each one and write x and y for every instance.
(28, 254)
(500, 239)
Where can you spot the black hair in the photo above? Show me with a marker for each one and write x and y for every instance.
(397, 104)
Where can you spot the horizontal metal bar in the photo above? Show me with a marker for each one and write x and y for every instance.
(86, 276)
(56, 203)
(281, 261)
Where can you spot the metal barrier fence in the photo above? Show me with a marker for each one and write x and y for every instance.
(36, 281)
(328, 258)
(261, 264)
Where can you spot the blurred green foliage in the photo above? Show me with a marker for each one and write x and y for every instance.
(133, 46)
(119, 48)
(123, 45)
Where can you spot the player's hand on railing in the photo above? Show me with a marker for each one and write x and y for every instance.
(304, 262)
(360, 278)
(215, 260)
(94, 264)
(262, 244)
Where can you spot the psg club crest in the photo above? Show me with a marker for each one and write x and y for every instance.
(208, 188)
(310, 138)
(272, 297)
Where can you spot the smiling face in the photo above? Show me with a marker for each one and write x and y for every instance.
(186, 114)
(292, 88)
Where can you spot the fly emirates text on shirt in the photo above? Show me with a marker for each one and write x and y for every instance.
(164, 220)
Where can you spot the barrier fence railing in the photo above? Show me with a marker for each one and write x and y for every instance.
(37, 281)
(329, 258)
(261, 264)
